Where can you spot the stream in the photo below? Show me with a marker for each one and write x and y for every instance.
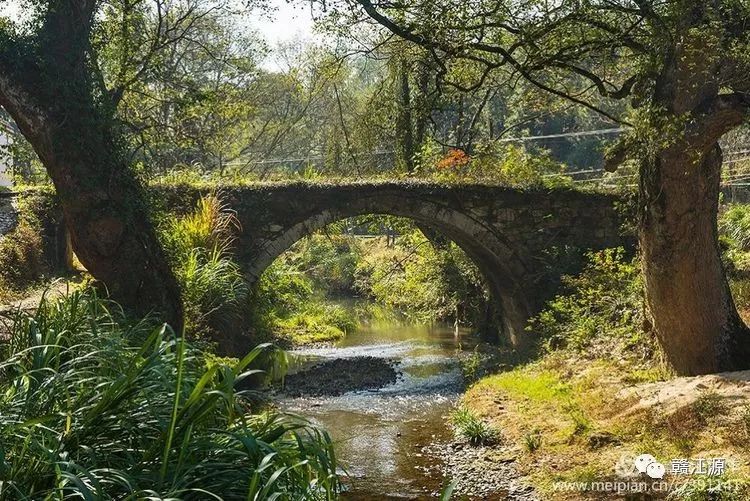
(381, 435)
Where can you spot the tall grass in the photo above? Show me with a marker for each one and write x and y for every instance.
(735, 224)
(93, 407)
(200, 245)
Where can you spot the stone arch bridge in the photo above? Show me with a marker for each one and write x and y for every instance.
(517, 238)
(520, 239)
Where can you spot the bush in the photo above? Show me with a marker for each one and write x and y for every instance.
(501, 164)
(601, 309)
(21, 255)
(93, 407)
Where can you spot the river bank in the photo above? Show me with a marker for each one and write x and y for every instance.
(577, 420)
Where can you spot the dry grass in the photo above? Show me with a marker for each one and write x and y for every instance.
(590, 414)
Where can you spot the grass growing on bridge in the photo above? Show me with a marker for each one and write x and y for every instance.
(94, 407)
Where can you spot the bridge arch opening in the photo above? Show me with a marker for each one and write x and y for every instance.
(497, 259)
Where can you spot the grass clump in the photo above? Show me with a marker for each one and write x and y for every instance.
(95, 407)
(200, 247)
(709, 404)
(734, 224)
(532, 441)
(473, 429)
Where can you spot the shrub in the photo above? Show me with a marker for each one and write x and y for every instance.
(21, 255)
(502, 164)
(93, 407)
(604, 303)
(471, 366)
(473, 429)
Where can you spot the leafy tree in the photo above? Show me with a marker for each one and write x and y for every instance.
(683, 68)
(194, 105)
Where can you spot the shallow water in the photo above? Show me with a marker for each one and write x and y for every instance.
(380, 434)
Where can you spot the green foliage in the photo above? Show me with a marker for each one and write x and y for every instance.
(471, 366)
(22, 262)
(734, 229)
(473, 429)
(425, 281)
(601, 309)
(286, 304)
(316, 321)
(506, 164)
(412, 276)
(735, 224)
(734, 241)
(199, 245)
(213, 288)
(328, 260)
(211, 226)
(93, 407)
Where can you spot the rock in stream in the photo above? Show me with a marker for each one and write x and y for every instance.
(341, 375)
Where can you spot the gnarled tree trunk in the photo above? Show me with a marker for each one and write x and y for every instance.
(687, 293)
(53, 89)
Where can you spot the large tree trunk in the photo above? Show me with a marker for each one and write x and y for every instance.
(687, 293)
(54, 91)
(105, 210)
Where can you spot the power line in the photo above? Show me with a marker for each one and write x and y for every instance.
(597, 132)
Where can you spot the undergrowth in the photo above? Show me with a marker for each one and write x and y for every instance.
(94, 406)
(200, 248)
(22, 263)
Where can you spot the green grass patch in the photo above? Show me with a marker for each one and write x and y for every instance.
(528, 384)
(472, 428)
